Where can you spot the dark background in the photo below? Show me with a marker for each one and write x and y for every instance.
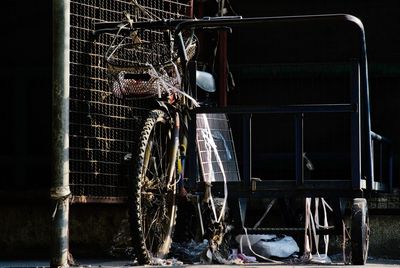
(26, 78)
(26, 96)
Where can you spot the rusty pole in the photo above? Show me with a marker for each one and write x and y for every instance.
(60, 191)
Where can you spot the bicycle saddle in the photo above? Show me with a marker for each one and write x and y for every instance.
(205, 81)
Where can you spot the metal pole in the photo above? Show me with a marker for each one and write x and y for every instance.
(222, 69)
(60, 191)
(299, 148)
(247, 144)
(356, 155)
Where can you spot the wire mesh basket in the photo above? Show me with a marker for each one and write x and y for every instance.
(143, 69)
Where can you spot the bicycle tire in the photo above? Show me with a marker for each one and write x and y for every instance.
(152, 204)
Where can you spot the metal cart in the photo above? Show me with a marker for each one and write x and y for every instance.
(367, 174)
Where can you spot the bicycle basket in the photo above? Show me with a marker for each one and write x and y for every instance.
(143, 69)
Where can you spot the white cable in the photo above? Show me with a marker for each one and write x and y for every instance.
(326, 237)
(307, 244)
(113, 41)
(310, 226)
(316, 220)
(312, 223)
(210, 143)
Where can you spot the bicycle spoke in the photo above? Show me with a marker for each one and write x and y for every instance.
(147, 155)
(156, 205)
(149, 230)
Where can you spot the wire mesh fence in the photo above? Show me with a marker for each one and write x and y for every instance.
(102, 126)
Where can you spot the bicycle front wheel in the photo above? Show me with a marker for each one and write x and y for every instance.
(152, 199)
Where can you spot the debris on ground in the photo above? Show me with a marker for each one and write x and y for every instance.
(166, 262)
(320, 259)
(279, 246)
(189, 252)
(241, 258)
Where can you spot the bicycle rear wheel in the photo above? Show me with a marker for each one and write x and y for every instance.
(152, 206)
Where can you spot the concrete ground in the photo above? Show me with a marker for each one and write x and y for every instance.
(126, 264)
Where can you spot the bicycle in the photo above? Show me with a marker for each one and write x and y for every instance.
(143, 69)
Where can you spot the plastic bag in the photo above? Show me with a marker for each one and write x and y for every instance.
(269, 245)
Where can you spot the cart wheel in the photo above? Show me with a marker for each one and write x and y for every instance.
(359, 231)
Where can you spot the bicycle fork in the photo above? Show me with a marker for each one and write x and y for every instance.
(177, 152)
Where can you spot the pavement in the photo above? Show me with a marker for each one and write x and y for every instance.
(106, 263)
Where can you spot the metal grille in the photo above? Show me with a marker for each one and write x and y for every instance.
(103, 127)
(218, 125)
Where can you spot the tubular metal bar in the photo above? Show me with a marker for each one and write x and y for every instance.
(289, 188)
(180, 25)
(60, 132)
(246, 161)
(378, 137)
(390, 167)
(286, 109)
(355, 128)
(366, 150)
(299, 148)
(381, 140)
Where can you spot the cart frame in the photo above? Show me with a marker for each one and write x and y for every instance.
(362, 179)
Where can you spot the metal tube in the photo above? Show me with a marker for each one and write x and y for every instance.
(222, 69)
(299, 148)
(247, 144)
(366, 153)
(173, 152)
(380, 160)
(60, 134)
(284, 109)
(355, 128)
(390, 167)
(192, 151)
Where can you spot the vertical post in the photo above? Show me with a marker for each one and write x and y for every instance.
(380, 160)
(60, 134)
(192, 68)
(247, 149)
(365, 109)
(299, 148)
(192, 125)
(190, 12)
(355, 126)
(222, 70)
(192, 157)
(390, 167)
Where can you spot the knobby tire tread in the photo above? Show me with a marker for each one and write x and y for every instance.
(135, 213)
